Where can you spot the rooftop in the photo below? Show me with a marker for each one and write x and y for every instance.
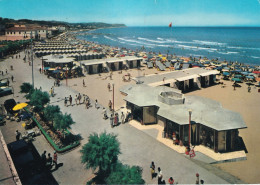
(110, 60)
(204, 111)
(173, 76)
(58, 59)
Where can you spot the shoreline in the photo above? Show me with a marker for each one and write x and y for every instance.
(157, 52)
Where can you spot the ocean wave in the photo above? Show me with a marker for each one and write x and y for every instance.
(209, 43)
(149, 40)
(254, 57)
(160, 38)
(232, 52)
(109, 38)
(239, 47)
(166, 46)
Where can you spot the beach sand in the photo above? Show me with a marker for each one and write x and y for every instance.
(239, 100)
(248, 105)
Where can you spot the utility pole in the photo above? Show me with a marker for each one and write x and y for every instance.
(113, 100)
(190, 112)
(32, 60)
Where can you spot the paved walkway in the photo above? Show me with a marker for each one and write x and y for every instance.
(137, 147)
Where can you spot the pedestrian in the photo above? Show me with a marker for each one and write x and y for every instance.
(55, 159)
(6, 71)
(197, 178)
(249, 88)
(108, 86)
(79, 98)
(12, 78)
(110, 105)
(51, 92)
(96, 104)
(70, 99)
(84, 85)
(160, 175)
(152, 167)
(3, 73)
(171, 180)
(87, 103)
(17, 135)
(19, 56)
(122, 118)
(76, 99)
(43, 157)
(116, 119)
(65, 102)
(40, 70)
(40, 88)
(49, 161)
(111, 121)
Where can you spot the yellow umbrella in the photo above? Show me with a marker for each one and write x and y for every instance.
(20, 106)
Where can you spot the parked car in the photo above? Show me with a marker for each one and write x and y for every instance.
(5, 91)
(3, 83)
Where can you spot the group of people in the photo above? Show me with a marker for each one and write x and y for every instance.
(170, 180)
(49, 161)
(114, 119)
(78, 97)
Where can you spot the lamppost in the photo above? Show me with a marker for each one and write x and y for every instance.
(66, 74)
(190, 112)
(113, 99)
(32, 60)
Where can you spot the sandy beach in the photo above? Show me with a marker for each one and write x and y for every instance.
(239, 100)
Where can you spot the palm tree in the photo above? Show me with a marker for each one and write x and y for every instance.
(101, 152)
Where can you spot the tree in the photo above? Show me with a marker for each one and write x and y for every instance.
(26, 87)
(38, 99)
(62, 122)
(50, 111)
(101, 152)
(124, 174)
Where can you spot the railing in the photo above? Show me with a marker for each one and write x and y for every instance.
(49, 139)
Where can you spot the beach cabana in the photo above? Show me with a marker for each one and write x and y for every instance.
(212, 125)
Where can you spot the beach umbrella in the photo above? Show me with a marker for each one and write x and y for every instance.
(236, 79)
(20, 106)
(226, 74)
(257, 79)
(238, 76)
(244, 73)
(251, 77)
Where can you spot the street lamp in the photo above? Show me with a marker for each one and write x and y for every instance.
(32, 60)
(190, 112)
(113, 99)
(66, 74)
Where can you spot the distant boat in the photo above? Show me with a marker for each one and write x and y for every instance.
(170, 25)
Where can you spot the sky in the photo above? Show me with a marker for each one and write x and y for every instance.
(138, 12)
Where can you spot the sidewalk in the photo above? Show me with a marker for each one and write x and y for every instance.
(137, 148)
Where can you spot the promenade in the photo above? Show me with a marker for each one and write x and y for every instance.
(137, 147)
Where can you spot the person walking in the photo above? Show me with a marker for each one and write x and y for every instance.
(6, 71)
(152, 168)
(116, 119)
(87, 103)
(79, 98)
(76, 99)
(110, 105)
(49, 161)
(160, 175)
(65, 102)
(84, 85)
(43, 158)
(96, 104)
(197, 178)
(122, 118)
(12, 78)
(70, 99)
(108, 86)
(111, 121)
(17, 135)
(55, 159)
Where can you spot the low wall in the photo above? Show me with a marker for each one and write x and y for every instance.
(56, 148)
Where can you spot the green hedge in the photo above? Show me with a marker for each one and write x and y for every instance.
(60, 150)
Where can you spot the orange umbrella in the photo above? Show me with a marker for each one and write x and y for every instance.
(257, 79)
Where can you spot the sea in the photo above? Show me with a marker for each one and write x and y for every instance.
(240, 44)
